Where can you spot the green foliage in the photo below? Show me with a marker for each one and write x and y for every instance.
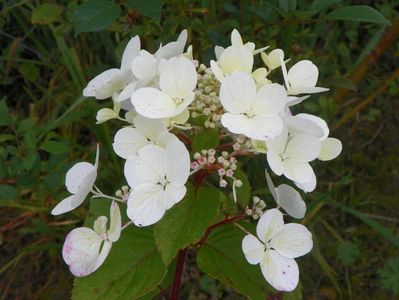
(95, 15)
(149, 8)
(357, 13)
(186, 222)
(348, 252)
(46, 14)
(390, 275)
(208, 139)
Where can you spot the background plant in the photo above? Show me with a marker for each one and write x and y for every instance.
(47, 59)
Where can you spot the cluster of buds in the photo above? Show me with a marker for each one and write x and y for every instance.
(207, 102)
(227, 167)
(123, 193)
(258, 206)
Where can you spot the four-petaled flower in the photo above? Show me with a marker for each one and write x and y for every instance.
(276, 247)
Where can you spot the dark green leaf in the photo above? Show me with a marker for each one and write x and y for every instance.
(95, 15)
(185, 223)
(347, 252)
(46, 13)
(53, 147)
(149, 8)
(222, 258)
(357, 13)
(207, 139)
(5, 118)
(8, 192)
(390, 275)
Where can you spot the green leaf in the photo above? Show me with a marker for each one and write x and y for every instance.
(53, 147)
(243, 192)
(390, 275)
(347, 252)
(149, 8)
(319, 5)
(186, 222)
(357, 13)
(8, 192)
(95, 15)
(133, 268)
(222, 258)
(5, 118)
(207, 139)
(46, 14)
(30, 160)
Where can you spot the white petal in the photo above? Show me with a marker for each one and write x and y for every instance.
(115, 84)
(81, 251)
(177, 163)
(279, 143)
(237, 92)
(68, 204)
(265, 127)
(105, 249)
(128, 141)
(330, 149)
(216, 70)
(145, 205)
(303, 74)
(292, 100)
(319, 121)
(173, 48)
(236, 59)
(308, 186)
(236, 123)
(270, 222)
(272, 188)
(147, 167)
(131, 51)
(306, 90)
(303, 148)
(281, 272)
(218, 51)
(291, 201)
(173, 194)
(301, 172)
(259, 75)
(150, 128)
(299, 125)
(270, 99)
(153, 103)
(253, 249)
(236, 39)
(144, 66)
(81, 176)
(115, 226)
(272, 60)
(292, 240)
(178, 77)
(127, 92)
(99, 81)
(275, 162)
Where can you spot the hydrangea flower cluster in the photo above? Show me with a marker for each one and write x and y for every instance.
(168, 97)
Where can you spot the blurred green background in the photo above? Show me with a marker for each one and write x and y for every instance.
(49, 52)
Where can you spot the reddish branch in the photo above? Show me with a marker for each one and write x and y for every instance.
(179, 270)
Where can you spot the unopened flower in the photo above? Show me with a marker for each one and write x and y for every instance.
(85, 250)
(157, 177)
(275, 247)
(272, 60)
(79, 181)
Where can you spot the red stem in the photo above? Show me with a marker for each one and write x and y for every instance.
(179, 270)
(225, 221)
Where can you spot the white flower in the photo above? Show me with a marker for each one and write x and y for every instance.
(254, 114)
(106, 114)
(129, 140)
(290, 156)
(276, 247)
(79, 181)
(173, 49)
(177, 81)
(85, 250)
(157, 177)
(287, 198)
(301, 78)
(113, 80)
